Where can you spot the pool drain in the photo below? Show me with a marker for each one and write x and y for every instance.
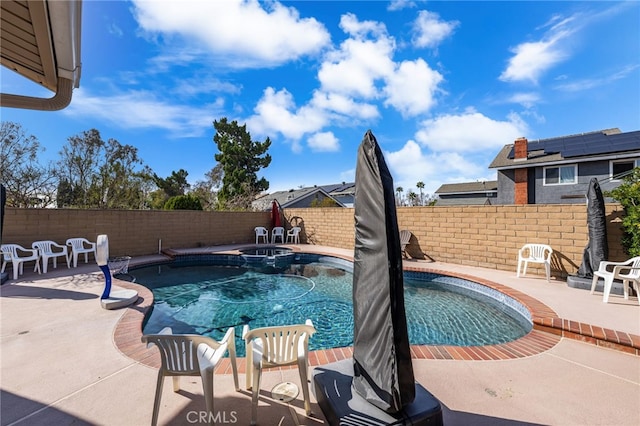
(285, 391)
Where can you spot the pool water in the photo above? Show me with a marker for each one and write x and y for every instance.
(207, 299)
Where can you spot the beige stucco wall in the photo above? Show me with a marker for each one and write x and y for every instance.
(486, 236)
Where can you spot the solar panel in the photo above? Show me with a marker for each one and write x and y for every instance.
(586, 144)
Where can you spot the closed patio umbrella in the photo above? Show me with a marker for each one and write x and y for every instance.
(275, 214)
(383, 372)
(597, 248)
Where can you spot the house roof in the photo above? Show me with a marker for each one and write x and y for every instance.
(468, 187)
(580, 147)
(40, 40)
(291, 196)
(467, 201)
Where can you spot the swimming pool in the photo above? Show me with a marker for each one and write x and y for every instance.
(206, 294)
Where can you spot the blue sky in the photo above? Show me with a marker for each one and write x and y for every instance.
(443, 85)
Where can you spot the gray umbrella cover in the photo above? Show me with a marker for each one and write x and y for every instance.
(383, 373)
(597, 248)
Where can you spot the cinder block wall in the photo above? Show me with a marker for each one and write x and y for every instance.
(486, 236)
(133, 232)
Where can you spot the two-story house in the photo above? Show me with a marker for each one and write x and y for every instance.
(558, 170)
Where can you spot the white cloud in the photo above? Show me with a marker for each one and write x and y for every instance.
(591, 83)
(142, 110)
(532, 59)
(411, 89)
(353, 68)
(429, 30)
(323, 142)
(276, 112)
(344, 105)
(400, 4)
(526, 99)
(412, 164)
(470, 131)
(237, 29)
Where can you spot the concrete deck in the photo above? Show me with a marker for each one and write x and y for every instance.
(60, 362)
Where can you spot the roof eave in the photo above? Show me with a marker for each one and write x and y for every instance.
(57, 33)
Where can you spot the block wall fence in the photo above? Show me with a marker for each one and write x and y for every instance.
(485, 236)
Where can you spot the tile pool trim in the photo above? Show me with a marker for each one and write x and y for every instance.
(547, 330)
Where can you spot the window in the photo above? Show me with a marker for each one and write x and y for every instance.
(562, 175)
(622, 166)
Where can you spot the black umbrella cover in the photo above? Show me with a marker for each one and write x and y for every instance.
(597, 248)
(383, 373)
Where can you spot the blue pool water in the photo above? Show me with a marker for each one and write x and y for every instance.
(204, 298)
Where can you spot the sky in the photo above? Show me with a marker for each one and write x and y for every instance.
(443, 85)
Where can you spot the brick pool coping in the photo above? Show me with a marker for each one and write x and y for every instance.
(547, 331)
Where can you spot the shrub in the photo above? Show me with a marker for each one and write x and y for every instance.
(183, 202)
(628, 194)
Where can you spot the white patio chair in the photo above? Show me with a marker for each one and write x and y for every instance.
(11, 253)
(277, 232)
(50, 250)
(275, 347)
(293, 235)
(191, 355)
(535, 253)
(628, 272)
(261, 232)
(81, 246)
(405, 236)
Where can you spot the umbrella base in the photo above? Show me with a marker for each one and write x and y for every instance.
(584, 283)
(339, 404)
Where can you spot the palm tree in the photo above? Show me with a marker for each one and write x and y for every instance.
(413, 197)
(420, 186)
(399, 191)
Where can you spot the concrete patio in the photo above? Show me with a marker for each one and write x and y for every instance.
(60, 363)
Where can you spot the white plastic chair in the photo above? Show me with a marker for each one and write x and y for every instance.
(628, 272)
(405, 237)
(11, 253)
(535, 253)
(191, 355)
(275, 347)
(81, 246)
(277, 232)
(293, 235)
(261, 232)
(50, 250)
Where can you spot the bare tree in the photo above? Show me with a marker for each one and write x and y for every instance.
(28, 183)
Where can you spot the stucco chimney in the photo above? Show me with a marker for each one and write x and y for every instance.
(520, 149)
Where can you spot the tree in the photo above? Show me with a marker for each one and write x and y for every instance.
(413, 198)
(240, 159)
(28, 184)
(93, 173)
(207, 190)
(176, 184)
(399, 192)
(78, 166)
(119, 186)
(324, 202)
(628, 195)
(183, 202)
(420, 186)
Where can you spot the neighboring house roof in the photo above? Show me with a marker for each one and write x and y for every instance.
(292, 197)
(467, 193)
(466, 201)
(601, 144)
(468, 188)
(40, 40)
